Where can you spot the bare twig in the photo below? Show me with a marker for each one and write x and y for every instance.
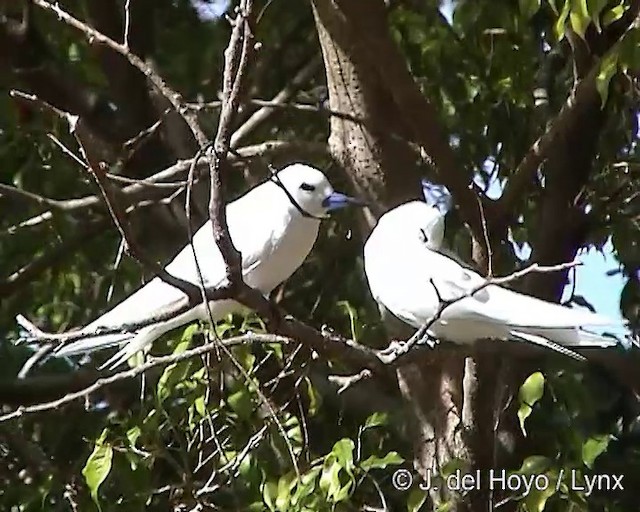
(236, 61)
(283, 96)
(140, 188)
(393, 355)
(127, 22)
(487, 240)
(286, 105)
(133, 372)
(95, 36)
(346, 381)
(121, 223)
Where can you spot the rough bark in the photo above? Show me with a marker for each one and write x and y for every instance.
(381, 164)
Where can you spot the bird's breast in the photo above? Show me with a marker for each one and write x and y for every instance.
(285, 252)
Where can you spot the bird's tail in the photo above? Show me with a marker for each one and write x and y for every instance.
(93, 343)
(135, 342)
(545, 342)
(141, 341)
(577, 337)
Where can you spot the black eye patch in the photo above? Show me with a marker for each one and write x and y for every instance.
(307, 187)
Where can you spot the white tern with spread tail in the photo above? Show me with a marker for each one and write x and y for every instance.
(274, 226)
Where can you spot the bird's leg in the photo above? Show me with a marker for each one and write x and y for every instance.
(395, 347)
(398, 348)
(423, 338)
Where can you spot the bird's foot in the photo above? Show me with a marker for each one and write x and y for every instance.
(422, 337)
(427, 340)
(395, 347)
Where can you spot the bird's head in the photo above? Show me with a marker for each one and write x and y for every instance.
(311, 190)
(415, 220)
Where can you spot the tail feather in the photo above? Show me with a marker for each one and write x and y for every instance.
(141, 341)
(547, 343)
(576, 337)
(528, 313)
(93, 343)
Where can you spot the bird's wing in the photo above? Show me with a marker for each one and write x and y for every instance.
(254, 242)
(499, 304)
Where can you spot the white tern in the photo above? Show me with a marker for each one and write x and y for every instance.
(410, 275)
(274, 226)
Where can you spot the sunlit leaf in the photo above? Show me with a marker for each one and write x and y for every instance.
(579, 17)
(98, 466)
(536, 499)
(375, 462)
(608, 68)
(559, 27)
(377, 419)
(530, 392)
(593, 448)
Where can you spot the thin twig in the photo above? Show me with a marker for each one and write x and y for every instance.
(392, 356)
(152, 362)
(285, 105)
(95, 36)
(485, 232)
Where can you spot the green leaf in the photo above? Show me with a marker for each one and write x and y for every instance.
(293, 430)
(593, 448)
(241, 403)
(375, 462)
(200, 406)
(535, 465)
(530, 392)
(559, 27)
(285, 484)
(305, 486)
(536, 500)
(629, 54)
(579, 17)
(244, 355)
(133, 434)
(613, 14)
(608, 68)
(343, 451)
(98, 466)
(270, 494)
(453, 465)
(330, 478)
(529, 7)
(176, 372)
(344, 492)
(377, 419)
(416, 499)
(315, 399)
(595, 8)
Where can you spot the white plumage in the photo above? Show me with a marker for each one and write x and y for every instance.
(273, 235)
(409, 277)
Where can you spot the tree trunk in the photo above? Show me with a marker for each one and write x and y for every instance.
(383, 167)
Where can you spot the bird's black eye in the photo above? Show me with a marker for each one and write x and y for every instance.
(424, 238)
(307, 187)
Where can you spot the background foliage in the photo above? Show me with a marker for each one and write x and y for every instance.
(199, 434)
